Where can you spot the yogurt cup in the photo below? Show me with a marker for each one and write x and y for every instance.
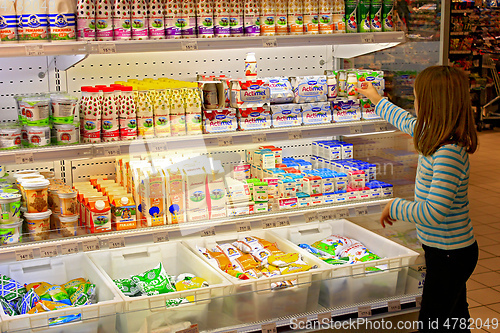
(67, 199)
(38, 225)
(53, 199)
(10, 207)
(48, 174)
(38, 136)
(11, 233)
(25, 173)
(63, 108)
(65, 134)
(29, 177)
(10, 137)
(68, 225)
(10, 190)
(36, 193)
(36, 110)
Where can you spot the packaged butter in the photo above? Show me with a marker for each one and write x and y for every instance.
(309, 89)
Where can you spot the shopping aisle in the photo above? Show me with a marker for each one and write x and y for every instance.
(484, 196)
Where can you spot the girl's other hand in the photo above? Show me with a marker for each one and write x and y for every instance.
(386, 215)
(369, 91)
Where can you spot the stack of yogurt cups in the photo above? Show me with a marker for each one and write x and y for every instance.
(10, 209)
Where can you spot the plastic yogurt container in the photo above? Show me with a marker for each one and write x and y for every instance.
(36, 192)
(10, 137)
(68, 225)
(10, 207)
(36, 110)
(68, 203)
(38, 225)
(38, 136)
(65, 134)
(11, 233)
(63, 108)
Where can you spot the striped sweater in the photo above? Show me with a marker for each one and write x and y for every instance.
(441, 207)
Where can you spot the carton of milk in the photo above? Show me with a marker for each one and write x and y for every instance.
(286, 115)
(216, 190)
(152, 187)
(218, 121)
(254, 118)
(346, 110)
(196, 197)
(309, 89)
(316, 113)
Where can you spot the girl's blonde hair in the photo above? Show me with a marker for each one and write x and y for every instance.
(444, 110)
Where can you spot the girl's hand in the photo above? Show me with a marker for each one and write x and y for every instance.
(368, 90)
(386, 215)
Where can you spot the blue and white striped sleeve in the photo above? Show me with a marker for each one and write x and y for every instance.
(398, 117)
(448, 169)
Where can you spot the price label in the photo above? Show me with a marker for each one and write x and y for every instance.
(69, 248)
(394, 306)
(48, 251)
(111, 151)
(35, 50)
(302, 322)
(243, 226)
(91, 245)
(269, 328)
(356, 129)
(418, 300)
(269, 42)
(381, 127)
(324, 318)
(342, 213)
(367, 38)
(259, 138)
(364, 311)
(283, 221)
(225, 141)
(116, 242)
(326, 215)
(24, 158)
(191, 329)
(24, 255)
(361, 211)
(160, 147)
(311, 217)
(268, 224)
(160, 237)
(189, 45)
(208, 232)
(294, 135)
(106, 48)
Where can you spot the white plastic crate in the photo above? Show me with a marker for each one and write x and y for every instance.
(176, 259)
(254, 300)
(352, 283)
(99, 317)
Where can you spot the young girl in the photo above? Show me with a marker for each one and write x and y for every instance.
(444, 135)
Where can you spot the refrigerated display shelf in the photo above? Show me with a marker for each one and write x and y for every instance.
(155, 145)
(114, 239)
(111, 47)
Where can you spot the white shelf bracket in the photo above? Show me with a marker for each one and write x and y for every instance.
(356, 50)
(65, 62)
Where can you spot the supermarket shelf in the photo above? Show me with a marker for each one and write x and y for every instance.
(379, 309)
(460, 52)
(110, 149)
(91, 242)
(72, 48)
(459, 33)
(461, 11)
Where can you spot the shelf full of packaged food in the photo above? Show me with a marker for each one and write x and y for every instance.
(158, 145)
(193, 44)
(159, 234)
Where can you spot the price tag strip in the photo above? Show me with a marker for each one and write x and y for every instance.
(381, 127)
(111, 151)
(356, 129)
(48, 251)
(91, 245)
(189, 45)
(342, 213)
(243, 226)
(106, 48)
(160, 237)
(225, 141)
(364, 311)
(282, 221)
(361, 211)
(22, 255)
(208, 232)
(394, 306)
(268, 224)
(259, 138)
(294, 135)
(269, 42)
(35, 50)
(367, 38)
(116, 242)
(327, 215)
(269, 328)
(311, 217)
(160, 147)
(69, 248)
(24, 158)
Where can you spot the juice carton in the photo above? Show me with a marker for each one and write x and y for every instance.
(254, 118)
(196, 197)
(217, 121)
(152, 187)
(123, 212)
(175, 195)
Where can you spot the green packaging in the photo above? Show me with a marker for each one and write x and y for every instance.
(128, 287)
(388, 20)
(376, 16)
(351, 21)
(7, 307)
(84, 294)
(364, 12)
(176, 302)
(72, 285)
(154, 282)
(58, 294)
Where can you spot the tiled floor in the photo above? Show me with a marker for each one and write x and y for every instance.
(484, 196)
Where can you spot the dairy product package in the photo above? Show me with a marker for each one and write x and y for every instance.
(241, 172)
(173, 10)
(281, 90)
(156, 25)
(236, 18)
(368, 109)
(127, 115)
(219, 121)
(145, 126)
(346, 110)
(110, 122)
(35, 25)
(8, 23)
(281, 17)
(139, 19)
(177, 102)
(325, 10)
(267, 18)
(295, 18)
(216, 190)
(308, 89)
(375, 77)
(205, 18)
(221, 18)
(376, 16)
(194, 124)
(316, 113)
(251, 20)
(196, 197)
(192, 100)
(175, 195)
(178, 125)
(86, 27)
(311, 18)
(162, 125)
(254, 118)
(104, 20)
(364, 13)
(351, 16)
(249, 93)
(62, 20)
(122, 29)
(188, 19)
(226, 84)
(152, 187)
(388, 12)
(286, 115)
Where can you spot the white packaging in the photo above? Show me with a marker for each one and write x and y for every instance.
(254, 118)
(309, 89)
(62, 20)
(281, 90)
(286, 115)
(260, 207)
(65, 134)
(347, 151)
(237, 191)
(316, 113)
(156, 25)
(368, 109)
(221, 18)
(196, 198)
(139, 19)
(152, 192)
(38, 136)
(122, 28)
(104, 20)
(346, 110)
(216, 189)
(218, 121)
(236, 18)
(239, 209)
(287, 203)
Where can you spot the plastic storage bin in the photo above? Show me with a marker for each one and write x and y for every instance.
(254, 300)
(352, 283)
(95, 317)
(176, 259)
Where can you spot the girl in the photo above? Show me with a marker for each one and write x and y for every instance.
(444, 135)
